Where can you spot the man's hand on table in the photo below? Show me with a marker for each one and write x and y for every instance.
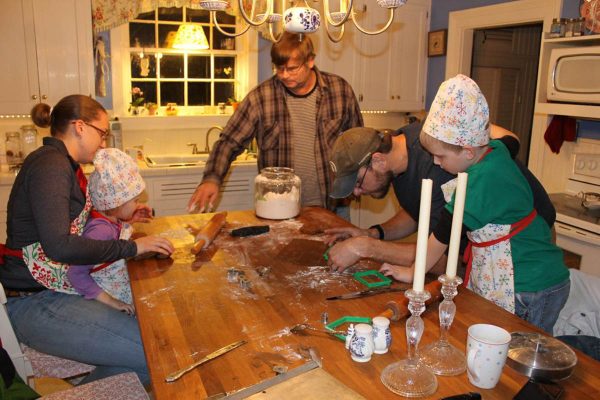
(336, 234)
(204, 197)
(347, 253)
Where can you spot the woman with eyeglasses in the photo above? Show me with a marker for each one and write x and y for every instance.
(47, 209)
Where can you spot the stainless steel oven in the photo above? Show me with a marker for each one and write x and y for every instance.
(577, 228)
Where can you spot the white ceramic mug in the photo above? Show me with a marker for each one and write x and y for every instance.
(361, 343)
(382, 336)
(487, 347)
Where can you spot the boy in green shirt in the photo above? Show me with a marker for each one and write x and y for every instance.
(513, 261)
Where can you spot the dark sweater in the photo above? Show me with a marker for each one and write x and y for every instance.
(45, 198)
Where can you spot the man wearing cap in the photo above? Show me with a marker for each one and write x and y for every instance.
(366, 161)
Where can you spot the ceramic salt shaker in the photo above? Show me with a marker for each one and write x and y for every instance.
(382, 336)
(361, 344)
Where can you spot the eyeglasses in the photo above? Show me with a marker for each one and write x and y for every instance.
(280, 69)
(102, 132)
(362, 179)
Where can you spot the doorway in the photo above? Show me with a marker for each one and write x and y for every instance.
(504, 65)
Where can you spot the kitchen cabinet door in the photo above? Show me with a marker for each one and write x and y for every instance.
(387, 71)
(46, 49)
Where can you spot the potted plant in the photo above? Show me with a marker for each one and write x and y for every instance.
(137, 101)
(233, 103)
(152, 107)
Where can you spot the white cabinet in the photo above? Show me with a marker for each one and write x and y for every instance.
(387, 71)
(46, 52)
(169, 195)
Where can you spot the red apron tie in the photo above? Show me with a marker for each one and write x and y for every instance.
(82, 180)
(5, 251)
(514, 229)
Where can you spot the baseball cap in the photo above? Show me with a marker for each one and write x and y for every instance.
(351, 150)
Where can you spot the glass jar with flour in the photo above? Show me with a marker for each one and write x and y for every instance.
(277, 193)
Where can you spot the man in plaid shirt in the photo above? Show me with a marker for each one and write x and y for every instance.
(295, 116)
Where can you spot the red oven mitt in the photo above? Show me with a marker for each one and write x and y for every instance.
(561, 128)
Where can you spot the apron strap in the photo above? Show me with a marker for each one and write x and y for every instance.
(5, 251)
(82, 180)
(514, 229)
(96, 214)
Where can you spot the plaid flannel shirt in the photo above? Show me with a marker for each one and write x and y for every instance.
(263, 114)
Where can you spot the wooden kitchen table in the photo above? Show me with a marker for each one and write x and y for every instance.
(187, 308)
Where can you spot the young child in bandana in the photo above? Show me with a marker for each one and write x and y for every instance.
(115, 187)
(513, 261)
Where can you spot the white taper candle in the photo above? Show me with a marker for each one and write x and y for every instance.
(422, 235)
(457, 219)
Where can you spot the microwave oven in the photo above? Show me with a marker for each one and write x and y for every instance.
(574, 75)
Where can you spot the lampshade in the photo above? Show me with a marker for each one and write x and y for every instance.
(190, 37)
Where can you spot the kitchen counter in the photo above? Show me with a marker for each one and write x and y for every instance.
(187, 307)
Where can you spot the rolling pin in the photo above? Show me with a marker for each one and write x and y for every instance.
(395, 311)
(207, 234)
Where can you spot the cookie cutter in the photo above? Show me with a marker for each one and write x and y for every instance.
(382, 279)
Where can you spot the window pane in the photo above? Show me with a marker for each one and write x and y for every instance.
(199, 93)
(224, 67)
(170, 14)
(199, 67)
(143, 67)
(149, 89)
(171, 92)
(166, 35)
(148, 16)
(224, 91)
(223, 42)
(141, 35)
(171, 66)
(198, 15)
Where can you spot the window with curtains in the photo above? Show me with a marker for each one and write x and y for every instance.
(185, 77)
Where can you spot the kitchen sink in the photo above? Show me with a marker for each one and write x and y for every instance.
(175, 160)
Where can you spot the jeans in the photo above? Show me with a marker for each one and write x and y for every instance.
(69, 326)
(542, 308)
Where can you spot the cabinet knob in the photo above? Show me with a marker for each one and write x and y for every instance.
(44, 97)
(34, 97)
(360, 97)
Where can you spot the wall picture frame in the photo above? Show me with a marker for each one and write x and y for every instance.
(436, 43)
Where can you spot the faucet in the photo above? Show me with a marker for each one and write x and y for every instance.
(194, 147)
(212, 128)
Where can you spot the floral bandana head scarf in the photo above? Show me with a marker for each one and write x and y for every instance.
(459, 114)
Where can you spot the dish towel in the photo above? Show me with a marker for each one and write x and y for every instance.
(561, 128)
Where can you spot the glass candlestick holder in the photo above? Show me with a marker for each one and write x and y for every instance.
(409, 377)
(441, 356)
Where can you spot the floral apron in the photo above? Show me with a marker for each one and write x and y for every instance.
(112, 277)
(490, 270)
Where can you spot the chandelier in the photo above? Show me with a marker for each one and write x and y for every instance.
(298, 18)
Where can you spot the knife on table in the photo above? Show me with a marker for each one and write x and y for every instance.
(368, 292)
(176, 375)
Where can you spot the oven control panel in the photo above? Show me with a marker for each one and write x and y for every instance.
(587, 165)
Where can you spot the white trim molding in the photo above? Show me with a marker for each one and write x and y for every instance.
(461, 25)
